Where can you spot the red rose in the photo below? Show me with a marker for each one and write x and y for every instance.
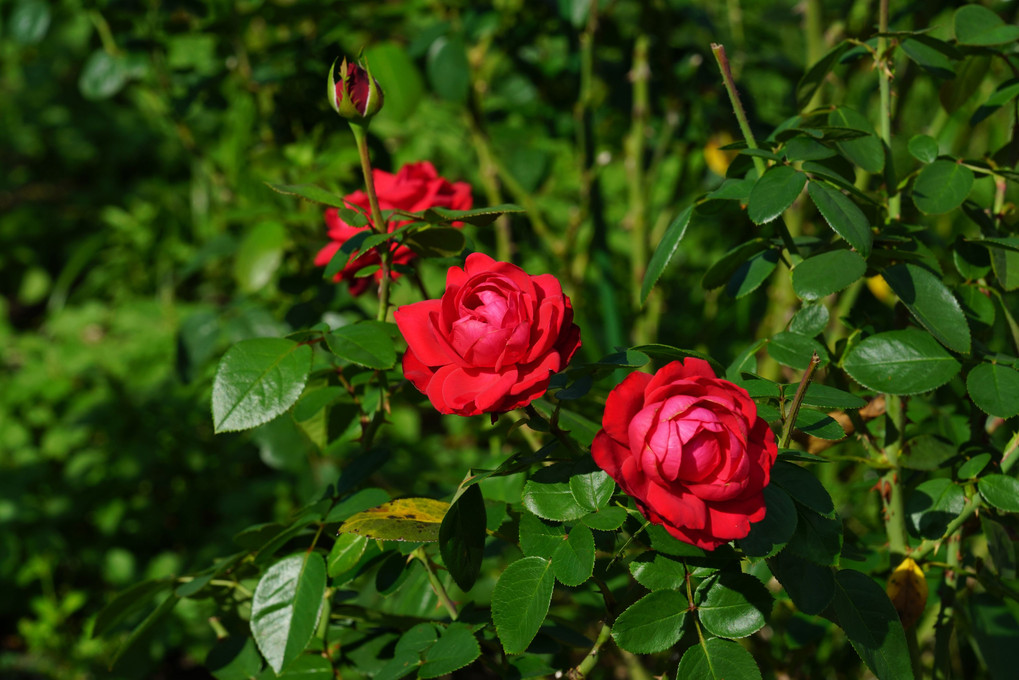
(492, 342)
(414, 188)
(690, 449)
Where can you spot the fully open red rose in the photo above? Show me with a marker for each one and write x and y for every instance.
(416, 187)
(492, 342)
(690, 449)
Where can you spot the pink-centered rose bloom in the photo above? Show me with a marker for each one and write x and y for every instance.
(416, 187)
(492, 342)
(690, 449)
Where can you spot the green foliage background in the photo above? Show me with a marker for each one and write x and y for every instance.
(138, 242)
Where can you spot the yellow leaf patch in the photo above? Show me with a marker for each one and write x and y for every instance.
(406, 519)
(907, 589)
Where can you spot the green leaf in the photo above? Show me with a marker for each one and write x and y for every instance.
(924, 148)
(547, 494)
(29, 21)
(520, 602)
(995, 389)
(286, 607)
(257, 380)
(977, 25)
(408, 519)
(259, 256)
(310, 192)
(718, 659)
(927, 452)
(456, 648)
(975, 305)
(308, 667)
(1005, 262)
(365, 343)
(651, 624)
(795, 350)
(462, 537)
(932, 505)
(345, 554)
(658, 572)
(872, 625)
(234, 658)
(900, 362)
(810, 586)
(931, 303)
(539, 537)
(843, 216)
(606, 519)
(995, 631)
(720, 272)
(941, 187)
(127, 603)
(436, 242)
(102, 75)
(816, 74)
(801, 484)
(817, 538)
(1001, 491)
(164, 608)
(1002, 95)
(772, 533)
(1000, 546)
(774, 192)
(448, 70)
(974, 466)
(806, 148)
(827, 273)
(934, 61)
(664, 251)
(590, 485)
(866, 152)
(573, 559)
(751, 274)
(819, 425)
(822, 396)
(810, 320)
(479, 217)
(734, 605)
(360, 500)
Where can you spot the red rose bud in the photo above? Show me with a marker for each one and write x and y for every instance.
(493, 341)
(690, 449)
(356, 95)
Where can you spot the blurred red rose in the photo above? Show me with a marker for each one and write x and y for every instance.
(492, 342)
(416, 187)
(689, 448)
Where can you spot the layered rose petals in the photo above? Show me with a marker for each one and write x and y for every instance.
(492, 342)
(690, 449)
(416, 187)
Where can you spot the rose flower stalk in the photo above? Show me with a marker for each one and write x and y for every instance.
(416, 187)
(690, 449)
(492, 342)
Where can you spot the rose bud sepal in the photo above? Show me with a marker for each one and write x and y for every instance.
(356, 96)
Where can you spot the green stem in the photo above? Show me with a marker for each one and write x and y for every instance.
(585, 666)
(634, 164)
(790, 418)
(943, 626)
(105, 34)
(1009, 457)
(737, 106)
(378, 223)
(895, 512)
(440, 590)
(884, 64)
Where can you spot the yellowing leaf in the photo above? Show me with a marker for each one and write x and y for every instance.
(880, 289)
(407, 519)
(907, 589)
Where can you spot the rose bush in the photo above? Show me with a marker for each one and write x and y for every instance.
(690, 449)
(416, 187)
(493, 340)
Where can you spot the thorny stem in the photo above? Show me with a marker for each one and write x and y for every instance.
(884, 87)
(737, 106)
(440, 590)
(794, 409)
(591, 659)
(895, 513)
